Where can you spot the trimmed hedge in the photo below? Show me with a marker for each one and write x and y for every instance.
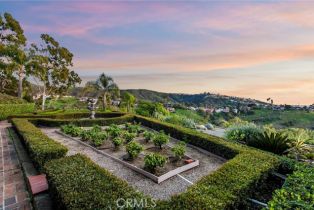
(75, 115)
(225, 188)
(297, 191)
(7, 99)
(82, 122)
(40, 147)
(78, 183)
(7, 110)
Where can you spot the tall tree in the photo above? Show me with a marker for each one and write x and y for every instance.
(12, 49)
(50, 65)
(128, 100)
(108, 87)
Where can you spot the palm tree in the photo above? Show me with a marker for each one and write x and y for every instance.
(108, 86)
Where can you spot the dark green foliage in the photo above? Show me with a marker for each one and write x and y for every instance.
(161, 139)
(78, 183)
(148, 135)
(179, 150)
(128, 136)
(154, 160)
(270, 141)
(149, 109)
(134, 149)
(297, 191)
(40, 147)
(244, 132)
(133, 128)
(117, 141)
(71, 130)
(114, 131)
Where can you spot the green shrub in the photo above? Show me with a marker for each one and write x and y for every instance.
(7, 110)
(179, 150)
(117, 141)
(76, 182)
(154, 160)
(40, 147)
(243, 132)
(148, 135)
(161, 139)
(269, 141)
(133, 128)
(134, 149)
(129, 136)
(71, 130)
(96, 128)
(98, 138)
(297, 191)
(114, 130)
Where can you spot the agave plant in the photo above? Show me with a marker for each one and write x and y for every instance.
(271, 141)
(298, 147)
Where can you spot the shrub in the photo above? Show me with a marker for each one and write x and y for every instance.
(131, 128)
(117, 142)
(96, 128)
(154, 160)
(161, 139)
(98, 138)
(243, 133)
(40, 147)
(129, 136)
(72, 130)
(114, 131)
(148, 135)
(297, 191)
(270, 141)
(179, 150)
(134, 149)
(76, 182)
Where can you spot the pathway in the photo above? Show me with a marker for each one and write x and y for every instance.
(13, 189)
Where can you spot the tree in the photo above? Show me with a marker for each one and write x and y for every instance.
(108, 87)
(90, 89)
(13, 56)
(128, 100)
(50, 65)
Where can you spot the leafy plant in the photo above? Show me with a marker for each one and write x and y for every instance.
(98, 138)
(161, 139)
(154, 160)
(72, 130)
(271, 141)
(117, 142)
(179, 150)
(134, 149)
(114, 131)
(96, 128)
(133, 128)
(148, 135)
(243, 132)
(129, 136)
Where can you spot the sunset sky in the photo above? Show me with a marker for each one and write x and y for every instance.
(249, 49)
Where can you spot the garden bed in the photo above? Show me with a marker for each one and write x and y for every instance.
(172, 167)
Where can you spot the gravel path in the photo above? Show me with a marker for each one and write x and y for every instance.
(174, 185)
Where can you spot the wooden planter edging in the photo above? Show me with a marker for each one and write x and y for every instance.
(157, 179)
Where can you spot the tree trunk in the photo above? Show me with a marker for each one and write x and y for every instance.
(44, 99)
(20, 88)
(104, 101)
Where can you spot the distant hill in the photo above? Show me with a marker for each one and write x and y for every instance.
(203, 99)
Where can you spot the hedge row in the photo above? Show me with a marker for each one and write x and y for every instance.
(7, 110)
(69, 116)
(7, 99)
(78, 183)
(225, 188)
(82, 122)
(40, 147)
(297, 191)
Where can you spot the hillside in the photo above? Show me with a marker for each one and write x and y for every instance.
(208, 99)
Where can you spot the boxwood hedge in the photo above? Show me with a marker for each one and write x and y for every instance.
(223, 189)
(78, 183)
(40, 147)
